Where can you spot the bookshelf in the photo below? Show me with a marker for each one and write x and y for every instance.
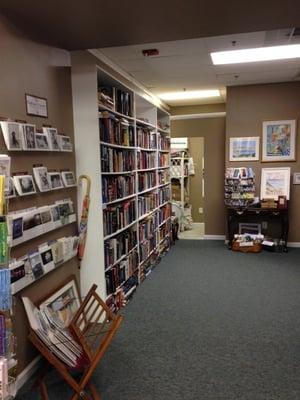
(133, 142)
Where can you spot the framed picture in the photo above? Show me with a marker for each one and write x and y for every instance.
(279, 140)
(275, 182)
(29, 142)
(24, 185)
(41, 178)
(244, 149)
(12, 134)
(52, 138)
(68, 178)
(64, 302)
(36, 105)
(55, 180)
(65, 143)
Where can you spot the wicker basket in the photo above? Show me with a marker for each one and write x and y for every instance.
(255, 248)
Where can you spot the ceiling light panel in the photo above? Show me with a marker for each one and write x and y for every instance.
(190, 94)
(256, 55)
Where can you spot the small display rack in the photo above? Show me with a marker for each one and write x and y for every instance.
(239, 187)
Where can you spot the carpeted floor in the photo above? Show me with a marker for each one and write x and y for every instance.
(207, 324)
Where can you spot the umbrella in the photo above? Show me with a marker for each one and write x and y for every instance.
(84, 215)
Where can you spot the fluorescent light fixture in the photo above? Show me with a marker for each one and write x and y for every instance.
(255, 55)
(190, 94)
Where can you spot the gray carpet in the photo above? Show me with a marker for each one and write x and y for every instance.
(207, 324)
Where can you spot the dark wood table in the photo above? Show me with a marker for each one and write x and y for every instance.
(257, 215)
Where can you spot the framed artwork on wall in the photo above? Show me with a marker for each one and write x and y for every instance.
(36, 105)
(275, 182)
(279, 140)
(244, 149)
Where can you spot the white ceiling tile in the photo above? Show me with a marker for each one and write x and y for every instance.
(243, 40)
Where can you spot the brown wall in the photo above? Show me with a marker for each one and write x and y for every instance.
(196, 150)
(247, 107)
(213, 132)
(27, 67)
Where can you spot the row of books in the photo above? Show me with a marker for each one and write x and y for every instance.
(118, 217)
(163, 176)
(116, 160)
(118, 246)
(146, 160)
(26, 224)
(146, 247)
(148, 264)
(147, 227)
(164, 230)
(147, 203)
(164, 143)
(26, 269)
(120, 273)
(146, 138)
(163, 160)
(164, 194)
(164, 213)
(116, 130)
(116, 187)
(146, 180)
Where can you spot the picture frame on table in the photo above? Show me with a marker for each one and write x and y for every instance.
(68, 178)
(279, 140)
(55, 180)
(42, 142)
(244, 148)
(65, 143)
(52, 138)
(64, 302)
(29, 141)
(42, 179)
(12, 134)
(24, 185)
(275, 182)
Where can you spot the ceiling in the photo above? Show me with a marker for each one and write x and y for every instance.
(100, 23)
(187, 64)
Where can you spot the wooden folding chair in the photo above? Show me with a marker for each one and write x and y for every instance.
(93, 327)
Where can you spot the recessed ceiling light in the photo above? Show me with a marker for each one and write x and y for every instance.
(190, 94)
(257, 54)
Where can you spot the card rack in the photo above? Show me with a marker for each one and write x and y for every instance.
(65, 231)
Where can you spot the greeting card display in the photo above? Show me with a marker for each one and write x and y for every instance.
(42, 179)
(12, 134)
(28, 138)
(24, 185)
(52, 138)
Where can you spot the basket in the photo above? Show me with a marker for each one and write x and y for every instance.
(255, 248)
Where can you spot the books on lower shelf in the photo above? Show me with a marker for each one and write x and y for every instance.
(117, 187)
(164, 194)
(116, 130)
(163, 176)
(116, 160)
(117, 217)
(164, 143)
(147, 227)
(117, 247)
(147, 246)
(121, 272)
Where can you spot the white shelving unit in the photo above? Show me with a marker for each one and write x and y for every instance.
(87, 77)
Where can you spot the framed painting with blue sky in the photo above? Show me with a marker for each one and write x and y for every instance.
(244, 149)
(279, 140)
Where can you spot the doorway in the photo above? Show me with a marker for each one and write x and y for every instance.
(188, 187)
